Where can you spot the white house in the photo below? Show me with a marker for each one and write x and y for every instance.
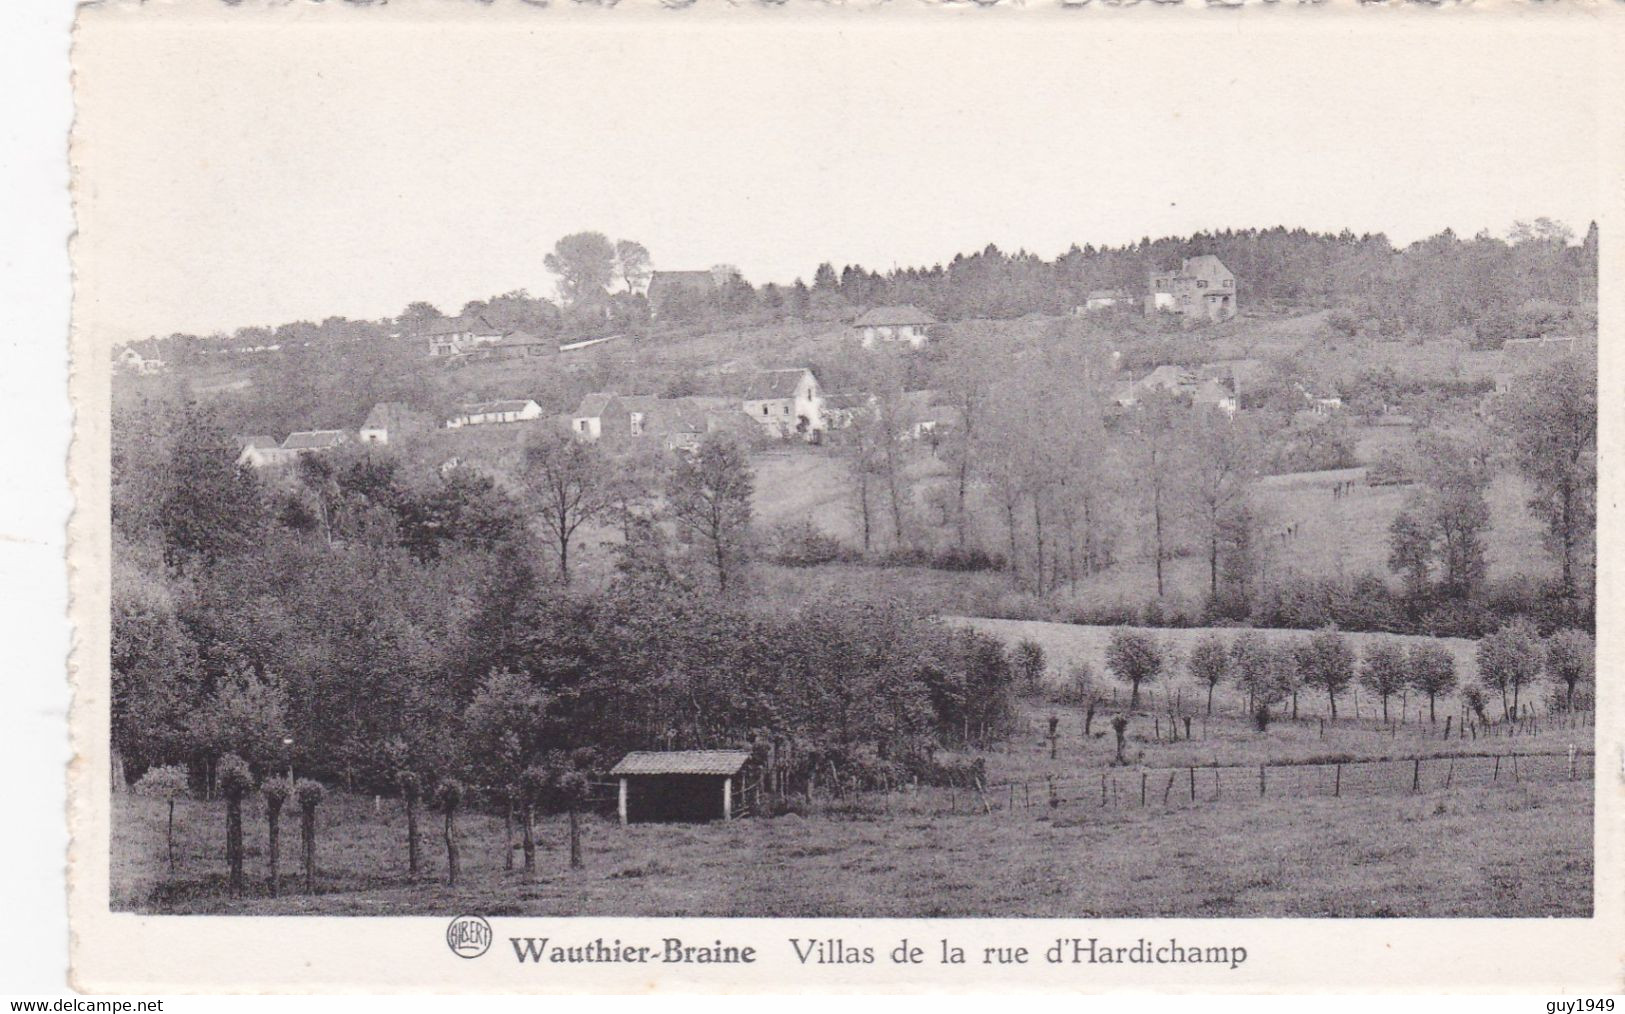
(134, 361)
(261, 451)
(894, 324)
(450, 336)
(600, 413)
(783, 401)
(482, 413)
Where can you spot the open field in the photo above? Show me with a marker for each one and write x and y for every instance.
(1472, 850)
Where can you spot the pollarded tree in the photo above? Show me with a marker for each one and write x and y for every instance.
(235, 782)
(573, 791)
(709, 496)
(1326, 661)
(1509, 660)
(448, 796)
(1134, 657)
(1209, 664)
(1287, 673)
(166, 782)
(535, 785)
(275, 792)
(309, 795)
(1432, 672)
(1382, 669)
(1571, 660)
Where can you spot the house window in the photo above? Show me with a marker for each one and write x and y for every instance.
(764, 410)
(1229, 283)
(1200, 284)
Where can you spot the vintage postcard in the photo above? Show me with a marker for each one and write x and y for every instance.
(780, 497)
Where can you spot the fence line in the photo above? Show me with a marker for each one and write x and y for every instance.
(1143, 787)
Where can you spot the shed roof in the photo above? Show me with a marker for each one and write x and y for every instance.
(682, 762)
(894, 316)
(497, 407)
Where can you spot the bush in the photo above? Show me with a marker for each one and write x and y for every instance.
(1343, 323)
(803, 544)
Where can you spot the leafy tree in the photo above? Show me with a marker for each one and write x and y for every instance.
(1220, 464)
(585, 264)
(1134, 658)
(1509, 660)
(709, 495)
(503, 723)
(1410, 551)
(632, 263)
(1432, 672)
(1153, 441)
(210, 508)
(1326, 661)
(1571, 660)
(1382, 669)
(1209, 664)
(166, 782)
(1552, 425)
(535, 785)
(567, 477)
(235, 783)
(1027, 659)
(275, 792)
(309, 795)
(416, 315)
(448, 796)
(1250, 662)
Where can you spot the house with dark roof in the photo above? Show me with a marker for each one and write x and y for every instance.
(482, 413)
(1202, 287)
(678, 786)
(894, 324)
(782, 401)
(451, 336)
(390, 419)
(524, 345)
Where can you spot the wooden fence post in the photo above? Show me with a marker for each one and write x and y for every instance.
(1515, 766)
(1337, 780)
(1571, 762)
(1103, 788)
(1169, 787)
(1450, 772)
(1416, 776)
(1193, 785)
(1142, 788)
(1496, 776)
(1260, 780)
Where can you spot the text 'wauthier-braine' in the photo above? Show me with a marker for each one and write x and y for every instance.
(838, 951)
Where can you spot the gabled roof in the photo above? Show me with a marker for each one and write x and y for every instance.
(496, 407)
(764, 385)
(838, 402)
(894, 316)
(682, 762)
(314, 440)
(693, 281)
(475, 323)
(593, 405)
(641, 402)
(386, 415)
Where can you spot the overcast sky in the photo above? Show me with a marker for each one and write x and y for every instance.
(254, 175)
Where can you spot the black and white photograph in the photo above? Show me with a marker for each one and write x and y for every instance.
(847, 469)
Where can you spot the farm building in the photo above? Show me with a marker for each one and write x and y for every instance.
(1202, 287)
(1103, 299)
(260, 451)
(894, 324)
(679, 786)
(450, 336)
(600, 414)
(524, 345)
(484, 412)
(390, 419)
(783, 401)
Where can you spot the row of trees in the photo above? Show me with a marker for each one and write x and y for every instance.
(1511, 661)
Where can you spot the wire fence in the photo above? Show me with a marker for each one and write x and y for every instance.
(1144, 787)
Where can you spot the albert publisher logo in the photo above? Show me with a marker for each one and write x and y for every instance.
(468, 936)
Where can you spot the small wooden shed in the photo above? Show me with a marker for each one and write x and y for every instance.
(678, 786)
